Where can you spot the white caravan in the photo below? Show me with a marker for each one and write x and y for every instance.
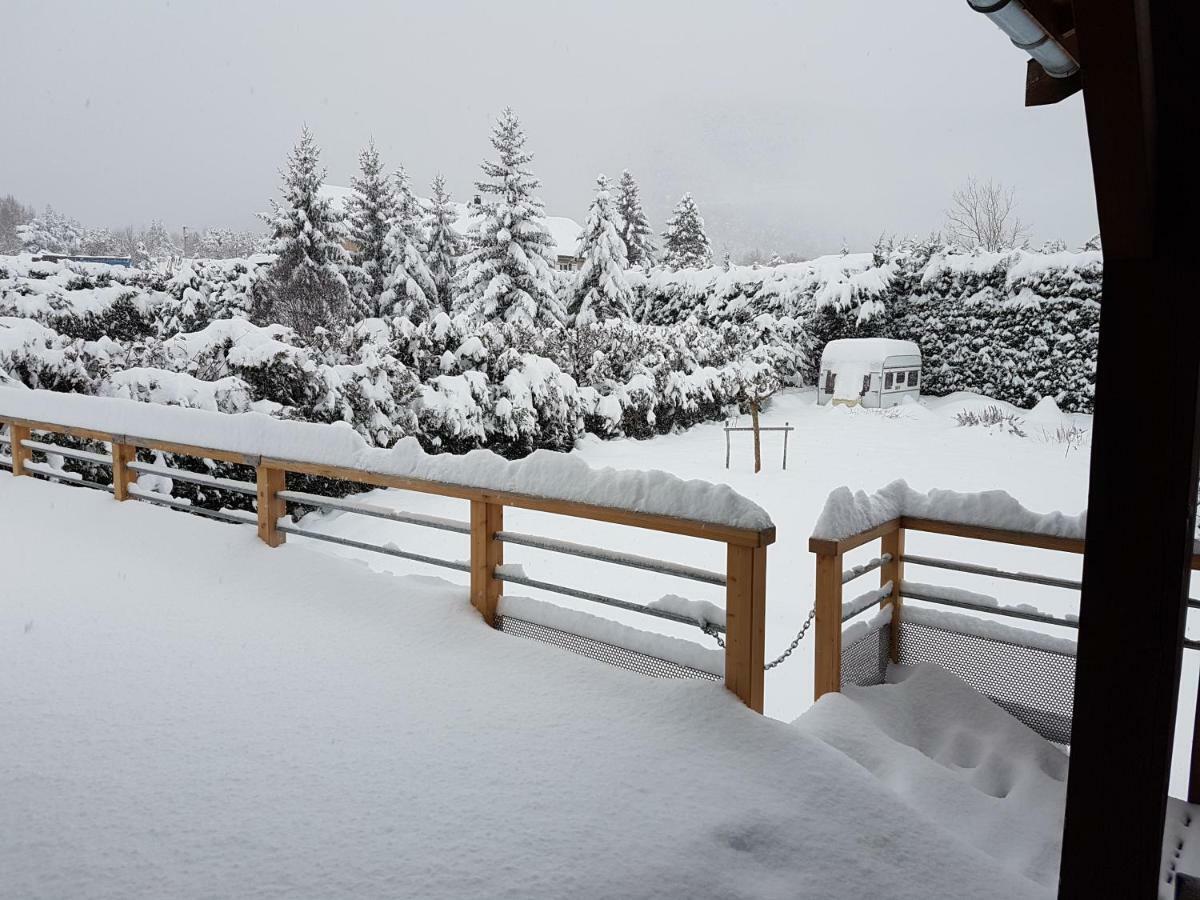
(872, 372)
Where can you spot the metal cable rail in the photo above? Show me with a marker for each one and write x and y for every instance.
(587, 551)
(514, 578)
(971, 568)
(1045, 619)
(863, 602)
(42, 470)
(211, 481)
(379, 512)
(377, 548)
(235, 516)
(100, 459)
(857, 571)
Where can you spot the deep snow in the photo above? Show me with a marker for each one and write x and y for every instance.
(188, 713)
(832, 447)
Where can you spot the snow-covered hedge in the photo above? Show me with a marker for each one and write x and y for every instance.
(186, 340)
(1017, 326)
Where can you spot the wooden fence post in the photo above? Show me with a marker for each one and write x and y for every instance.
(20, 454)
(745, 623)
(270, 507)
(893, 571)
(486, 554)
(122, 476)
(828, 649)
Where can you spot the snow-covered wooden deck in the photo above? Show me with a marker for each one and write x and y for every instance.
(188, 713)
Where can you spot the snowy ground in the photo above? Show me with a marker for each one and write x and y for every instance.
(187, 713)
(832, 446)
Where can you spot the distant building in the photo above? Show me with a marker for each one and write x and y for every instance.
(124, 261)
(563, 231)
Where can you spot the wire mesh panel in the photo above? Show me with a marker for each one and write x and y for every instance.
(601, 651)
(864, 662)
(1034, 685)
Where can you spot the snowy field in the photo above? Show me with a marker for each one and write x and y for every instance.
(187, 713)
(831, 446)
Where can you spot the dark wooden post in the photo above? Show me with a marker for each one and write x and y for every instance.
(122, 476)
(827, 633)
(20, 453)
(892, 570)
(486, 553)
(1138, 93)
(746, 623)
(270, 507)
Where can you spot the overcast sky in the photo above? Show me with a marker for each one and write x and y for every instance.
(795, 124)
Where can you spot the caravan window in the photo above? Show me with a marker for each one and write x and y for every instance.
(866, 384)
(830, 378)
(887, 381)
(912, 378)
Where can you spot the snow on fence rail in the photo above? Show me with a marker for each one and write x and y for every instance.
(976, 642)
(546, 482)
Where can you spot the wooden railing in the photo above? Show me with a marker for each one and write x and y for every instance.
(745, 557)
(891, 559)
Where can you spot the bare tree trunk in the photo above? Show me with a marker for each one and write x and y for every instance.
(757, 445)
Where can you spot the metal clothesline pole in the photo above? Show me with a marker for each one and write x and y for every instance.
(786, 428)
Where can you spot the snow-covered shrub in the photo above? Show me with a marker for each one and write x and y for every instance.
(991, 417)
(1017, 326)
(453, 411)
(39, 357)
(228, 395)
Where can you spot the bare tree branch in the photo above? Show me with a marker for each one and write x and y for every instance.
(983, 214)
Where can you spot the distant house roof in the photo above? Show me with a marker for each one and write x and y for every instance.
(563, 231)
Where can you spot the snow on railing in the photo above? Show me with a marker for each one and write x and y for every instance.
(548, 482)
(889, 516)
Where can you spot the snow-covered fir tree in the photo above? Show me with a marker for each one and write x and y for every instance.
(371, 215)
(409, 288)
(307, 286)
(507, 272)
(635, 230)
(445, 245)
(13, 214)
(97, 242)
(157, 243)
(601, 290)
(51, 232)
(685, 245)
(225, 243)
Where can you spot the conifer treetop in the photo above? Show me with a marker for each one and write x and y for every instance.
(601, 289)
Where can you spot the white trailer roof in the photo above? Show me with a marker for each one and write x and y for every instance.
(866, 351)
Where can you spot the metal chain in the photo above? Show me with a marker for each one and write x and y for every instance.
(795, 641)
(716, 635)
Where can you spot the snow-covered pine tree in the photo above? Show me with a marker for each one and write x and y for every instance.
(684, 242)
(371, 215)
(51, 232)
(635, 231)
(13, 214)
(409, 289)
(158, 244)
(307, 286)
(97, 242)
(445, 245)
(507, 272)
(601, 290)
